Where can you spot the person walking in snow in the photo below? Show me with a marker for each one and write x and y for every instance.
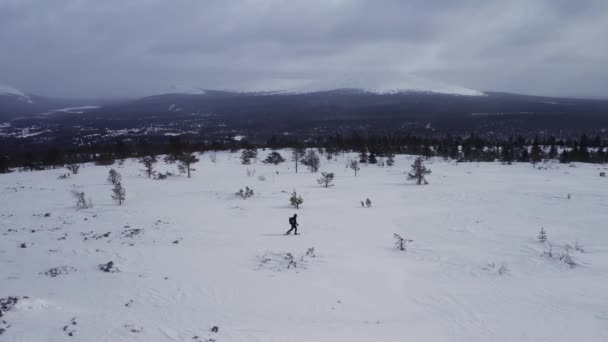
(294, 224)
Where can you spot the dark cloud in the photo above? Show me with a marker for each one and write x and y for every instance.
(138, 47)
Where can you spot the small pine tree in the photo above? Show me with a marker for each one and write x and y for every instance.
(390, 159)
(296, 154)
(355, 166)
(372, 158)
(119, 193)
(114, 177)
(148, 162)
(542, 236)
(536, 152)
(400, 242)
(326, 179)
(363, 157)
(247, 155)
(368, 203)
(311, 159)
(295, 200)
(185, 163)
(418, 172)
(274, 158)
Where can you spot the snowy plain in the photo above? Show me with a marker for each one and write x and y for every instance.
(204, 257)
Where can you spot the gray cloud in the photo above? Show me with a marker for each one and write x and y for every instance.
(105, 48)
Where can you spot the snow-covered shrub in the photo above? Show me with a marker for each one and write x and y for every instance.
(501, 270)
(108, 267)
(262, 178)
(286, 260)
(245, 194)
(57, 271)
(562, 255)
(567, 259)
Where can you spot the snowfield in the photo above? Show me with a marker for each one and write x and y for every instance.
(188, 255)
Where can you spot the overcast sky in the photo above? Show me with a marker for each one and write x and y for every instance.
(90, 48)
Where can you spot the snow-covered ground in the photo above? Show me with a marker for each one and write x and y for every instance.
(191, 255)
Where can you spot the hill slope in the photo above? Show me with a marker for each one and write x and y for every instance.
(192, 256)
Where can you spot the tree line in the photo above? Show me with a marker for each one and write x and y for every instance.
(463, 149)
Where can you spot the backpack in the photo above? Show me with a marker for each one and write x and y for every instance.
(292, 220)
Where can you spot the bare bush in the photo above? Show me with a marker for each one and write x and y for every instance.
(81, 201)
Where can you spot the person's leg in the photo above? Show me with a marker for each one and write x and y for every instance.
(289, 231)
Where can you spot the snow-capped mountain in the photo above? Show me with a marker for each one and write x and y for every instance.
(14, 93)
(371, 85)
(16, 103)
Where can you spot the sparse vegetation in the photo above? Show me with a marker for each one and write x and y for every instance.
(245, 194)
